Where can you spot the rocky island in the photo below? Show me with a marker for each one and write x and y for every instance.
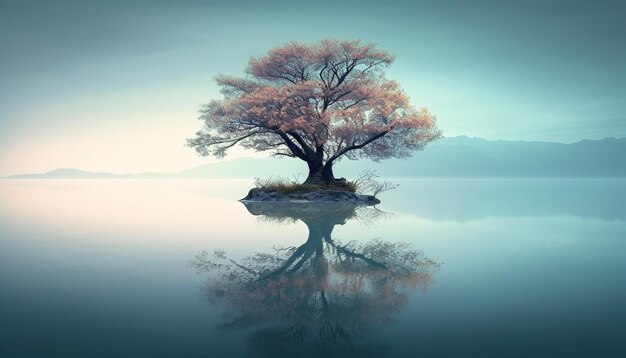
(318, 195)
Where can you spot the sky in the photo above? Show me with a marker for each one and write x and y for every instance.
(116, 85)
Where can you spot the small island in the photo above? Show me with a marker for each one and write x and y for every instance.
(308, 193)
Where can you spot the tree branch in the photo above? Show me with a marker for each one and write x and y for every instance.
(308, 151)
(356, 146)
(292, 146)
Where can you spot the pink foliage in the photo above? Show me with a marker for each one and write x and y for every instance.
(305, 100)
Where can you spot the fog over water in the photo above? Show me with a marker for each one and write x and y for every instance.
(500, 267)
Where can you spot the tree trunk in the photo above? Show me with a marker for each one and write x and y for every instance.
(320, 174)
(323, 175)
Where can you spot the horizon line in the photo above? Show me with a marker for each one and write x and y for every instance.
(219, 161)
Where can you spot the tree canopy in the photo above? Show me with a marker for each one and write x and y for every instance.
(318, 103)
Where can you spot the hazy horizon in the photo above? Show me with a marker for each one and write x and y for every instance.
(250, 154)
(451, 157)
(116, 86)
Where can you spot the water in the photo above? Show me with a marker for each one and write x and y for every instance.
(514, 268)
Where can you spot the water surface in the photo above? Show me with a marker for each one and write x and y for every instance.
(512, 268)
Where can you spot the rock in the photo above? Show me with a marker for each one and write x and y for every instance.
(321, 195)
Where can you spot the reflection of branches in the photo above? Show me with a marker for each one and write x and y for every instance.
(342, 250)
(333, 294)
(370, 214)
(323, 293)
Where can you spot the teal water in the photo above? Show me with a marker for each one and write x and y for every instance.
(472, 268)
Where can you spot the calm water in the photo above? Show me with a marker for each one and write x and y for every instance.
(444, 268)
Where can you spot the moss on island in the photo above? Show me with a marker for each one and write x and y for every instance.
(277, 189)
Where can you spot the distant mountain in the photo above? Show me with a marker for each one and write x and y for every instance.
(476, 158)
(66, 173)
(456, 157)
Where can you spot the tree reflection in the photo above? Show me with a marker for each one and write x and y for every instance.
(320, 297)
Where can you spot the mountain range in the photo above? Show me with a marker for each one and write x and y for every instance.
(455, 157)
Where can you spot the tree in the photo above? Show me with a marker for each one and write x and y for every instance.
(318, 103)
(320, 298)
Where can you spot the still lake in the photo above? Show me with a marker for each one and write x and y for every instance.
(493, 268)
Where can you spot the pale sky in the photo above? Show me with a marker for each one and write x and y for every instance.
(115, 85)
